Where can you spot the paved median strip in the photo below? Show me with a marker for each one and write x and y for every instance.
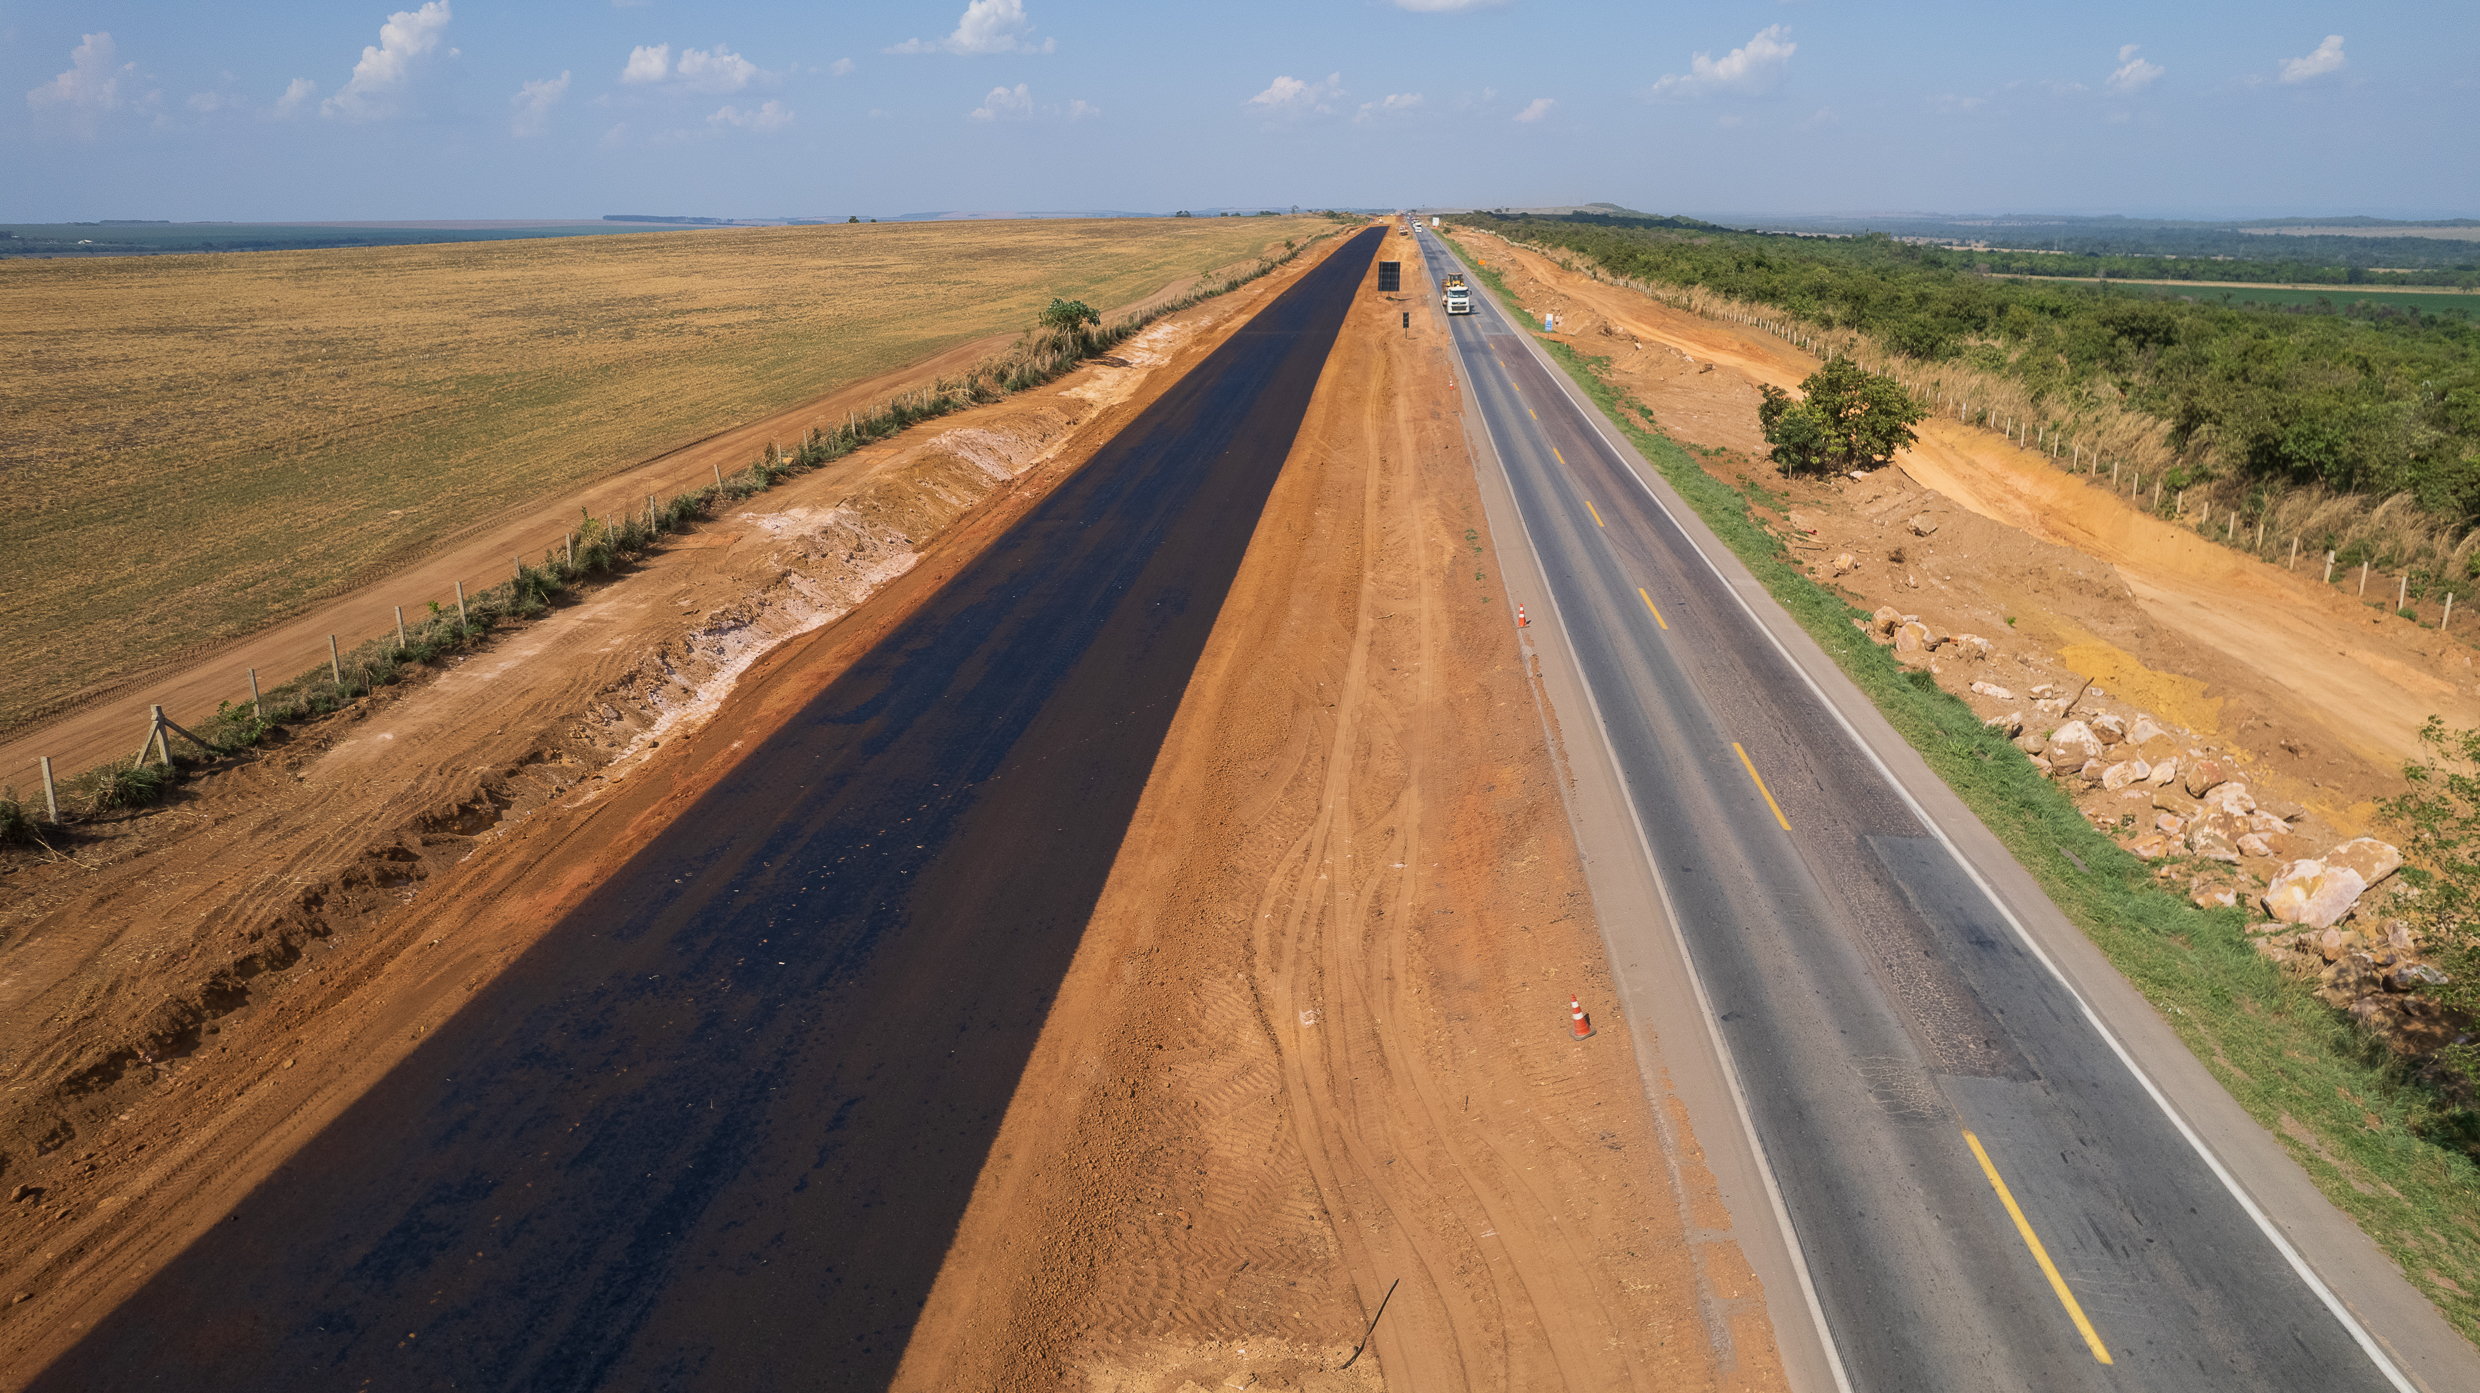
(2058, 1284)
(1658, 619)
(1753, 776)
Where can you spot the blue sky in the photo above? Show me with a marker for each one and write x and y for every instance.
(482, 109)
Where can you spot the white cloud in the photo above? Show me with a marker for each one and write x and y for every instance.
(719, 71)
(388, 69)
(211, 101)
(1750, 69)
(2134, 74)
(299, 90)
(987, 26)
(648, 64)
(1953, 105)
(773, 116)
(1537, 109)
(533, 102)
(841, 67)
(1289, 96)
(1017, 104)
(1004, 104)
(1392, 102)
(699, 70)
(2326, 58)
(89, 87)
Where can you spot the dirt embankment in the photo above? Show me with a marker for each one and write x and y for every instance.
(1316, 1039)
(193, 989)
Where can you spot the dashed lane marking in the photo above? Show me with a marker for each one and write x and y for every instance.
(1757, 779)
(2058, 1284)
(1657, 615)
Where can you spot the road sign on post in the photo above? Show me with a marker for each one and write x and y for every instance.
(1390, 275)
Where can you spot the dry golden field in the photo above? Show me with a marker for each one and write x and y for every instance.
(194, 446)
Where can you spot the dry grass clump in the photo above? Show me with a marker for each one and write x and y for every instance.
(196, 446)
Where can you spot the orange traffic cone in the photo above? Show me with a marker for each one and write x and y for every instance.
(1521, 621)
(1584, 1024)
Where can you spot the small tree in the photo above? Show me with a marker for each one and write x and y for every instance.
(1851, 419)
(1061, 327)
(1068, 316)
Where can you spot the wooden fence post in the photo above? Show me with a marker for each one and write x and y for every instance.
(2294, 552)
(51, 798)
(2363, 580)
(2402, 591)
(460, 604)
(2441, 624)
(335, 661)
(400, 626)
(2329, 568)
(255, 708)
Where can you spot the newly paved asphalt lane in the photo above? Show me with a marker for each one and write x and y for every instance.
(1931, 1100)
(717, 1128)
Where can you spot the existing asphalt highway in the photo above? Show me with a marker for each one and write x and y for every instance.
(716, 1129)
(1982, 1190)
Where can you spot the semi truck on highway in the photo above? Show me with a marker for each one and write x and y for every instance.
(1459, 299)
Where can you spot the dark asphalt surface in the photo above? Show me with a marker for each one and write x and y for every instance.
(1875, 1003)
(716, 1129)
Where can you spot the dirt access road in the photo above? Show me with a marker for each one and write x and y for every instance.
(1253, 1055)
(2284, 657)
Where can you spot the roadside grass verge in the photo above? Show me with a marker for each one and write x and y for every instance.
(2382, 1143)
(598, 548)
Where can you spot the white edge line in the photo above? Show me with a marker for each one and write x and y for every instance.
(2264, 1222)
(1705, 1005)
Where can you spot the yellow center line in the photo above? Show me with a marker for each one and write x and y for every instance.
(2058, 1284)
(1750, 766)
(1588, 507)
(1658, 619)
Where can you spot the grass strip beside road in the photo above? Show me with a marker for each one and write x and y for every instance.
(2381, 1145)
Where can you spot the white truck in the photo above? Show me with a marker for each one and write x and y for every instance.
(1458, 298)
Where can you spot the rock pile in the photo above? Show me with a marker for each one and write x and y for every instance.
(2191, 811)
